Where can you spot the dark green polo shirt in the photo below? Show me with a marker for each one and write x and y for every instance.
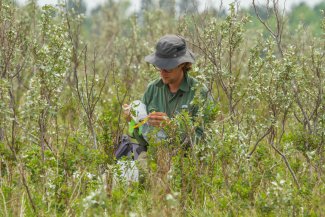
(159, 98)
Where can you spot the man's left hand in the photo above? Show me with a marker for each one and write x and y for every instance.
(158, 119)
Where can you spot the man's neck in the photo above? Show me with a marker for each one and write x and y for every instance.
(173, 87)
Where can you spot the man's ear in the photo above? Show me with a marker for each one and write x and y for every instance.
(186, 66)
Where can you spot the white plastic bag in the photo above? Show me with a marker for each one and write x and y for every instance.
(126, 172)
(138, 111)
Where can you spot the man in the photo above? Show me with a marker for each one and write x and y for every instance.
(174, 91)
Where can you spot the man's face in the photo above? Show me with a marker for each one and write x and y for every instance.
(172, 76)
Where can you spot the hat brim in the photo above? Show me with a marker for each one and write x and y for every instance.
(170, 63)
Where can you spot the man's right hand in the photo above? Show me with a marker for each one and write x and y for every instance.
(127, 112)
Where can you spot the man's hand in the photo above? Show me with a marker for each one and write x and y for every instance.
(127, 112)
(158, 119)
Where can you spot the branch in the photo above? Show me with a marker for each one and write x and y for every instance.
(262, 21)
(284, 158)
(307, 121)
(258, 141)
(279, 24)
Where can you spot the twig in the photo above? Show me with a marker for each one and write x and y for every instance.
(262, 21)
(258, 141)
(22, 210)
(277, 35)
(307, 121)
(4, 202)
(21, 170)
(283, 157)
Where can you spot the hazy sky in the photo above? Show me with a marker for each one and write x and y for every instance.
(204, 3)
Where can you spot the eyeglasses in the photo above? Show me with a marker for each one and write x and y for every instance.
(167, 70)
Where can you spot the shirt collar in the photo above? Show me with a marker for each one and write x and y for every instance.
(185, 87)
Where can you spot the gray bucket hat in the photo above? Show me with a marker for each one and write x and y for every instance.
(171, 51)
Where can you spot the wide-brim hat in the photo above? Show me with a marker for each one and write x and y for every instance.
(171, 51)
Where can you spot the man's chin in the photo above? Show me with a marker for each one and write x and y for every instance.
(165, 81)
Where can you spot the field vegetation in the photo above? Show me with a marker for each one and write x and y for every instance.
(65, 74)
